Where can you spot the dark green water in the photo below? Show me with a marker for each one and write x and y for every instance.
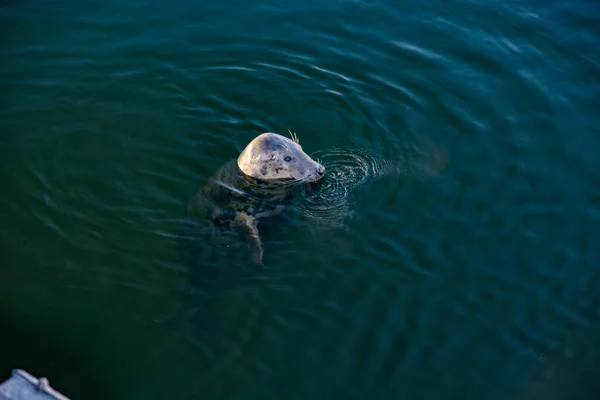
(466, 269)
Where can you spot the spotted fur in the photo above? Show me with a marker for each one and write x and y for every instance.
(255, 186)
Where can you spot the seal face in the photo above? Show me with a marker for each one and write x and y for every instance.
(272, 157)
(255, 186)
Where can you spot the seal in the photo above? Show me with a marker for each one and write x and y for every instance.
(256, 186)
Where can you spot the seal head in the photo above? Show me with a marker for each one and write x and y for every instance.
(272, 157)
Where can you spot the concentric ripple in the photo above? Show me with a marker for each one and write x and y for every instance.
(327, 202)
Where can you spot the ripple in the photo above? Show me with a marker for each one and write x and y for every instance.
(328, 202)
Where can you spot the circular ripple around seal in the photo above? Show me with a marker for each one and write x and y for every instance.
(327, 202)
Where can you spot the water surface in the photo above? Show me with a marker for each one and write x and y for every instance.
(453, 256)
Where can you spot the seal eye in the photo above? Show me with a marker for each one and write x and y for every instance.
(288, 159)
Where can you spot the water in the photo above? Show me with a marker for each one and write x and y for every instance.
(451, 251)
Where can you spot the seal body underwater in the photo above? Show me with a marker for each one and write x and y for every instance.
(257, 185)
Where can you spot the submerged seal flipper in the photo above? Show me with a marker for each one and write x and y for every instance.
(247, 225)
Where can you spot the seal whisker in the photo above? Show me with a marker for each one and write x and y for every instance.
(294, 137)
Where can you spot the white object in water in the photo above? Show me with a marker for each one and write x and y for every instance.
(23, 386)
